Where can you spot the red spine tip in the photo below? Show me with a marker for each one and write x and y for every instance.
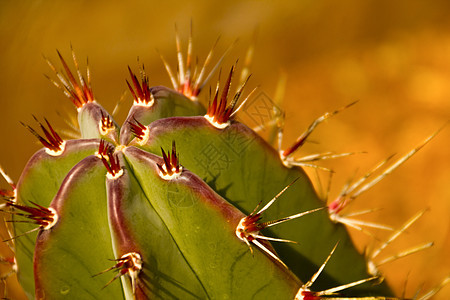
(78, 91)
(39, 215)
(218, 111)
(138, 129)
(140, 90)
(106, 123)
(51, 140)
(171, 164)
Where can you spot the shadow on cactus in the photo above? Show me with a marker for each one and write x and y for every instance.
(180, 202)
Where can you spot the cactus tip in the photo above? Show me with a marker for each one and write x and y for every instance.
(106, 124)
(110, 160)
(171, 168)
(140, 131)
(141, 92)
(218, 113)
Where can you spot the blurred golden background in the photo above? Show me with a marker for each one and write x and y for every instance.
(393, 56)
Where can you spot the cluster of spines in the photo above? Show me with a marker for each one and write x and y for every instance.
(129, 264)
(79, 92)
(140, 90)
(219, 112)
(106, 124)
(140, 131)
(110, 160)
(248, 229)
(51, 140)
(39, 215)
(187, 81)
(171, 167)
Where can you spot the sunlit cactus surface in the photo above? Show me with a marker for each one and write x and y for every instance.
(182, 201)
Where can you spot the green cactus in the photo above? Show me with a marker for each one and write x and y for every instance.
(113, 204)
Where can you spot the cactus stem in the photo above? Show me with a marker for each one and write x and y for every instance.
(140, 131)
(304, 293)
(128, 264)
(106, 124)
(171, 169)
(284, 154)
(53, 143)
(141, 92)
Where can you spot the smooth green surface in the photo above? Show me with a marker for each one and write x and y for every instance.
(79, 245)
(203, 224)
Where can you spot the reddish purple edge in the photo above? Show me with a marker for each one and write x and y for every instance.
(116, 192)
(71, 147)
(57, 203)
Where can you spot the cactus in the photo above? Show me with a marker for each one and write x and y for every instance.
(140, 211)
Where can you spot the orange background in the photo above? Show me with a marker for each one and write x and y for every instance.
(393, 57)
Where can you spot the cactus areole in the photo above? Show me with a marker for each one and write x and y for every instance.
(180, 202)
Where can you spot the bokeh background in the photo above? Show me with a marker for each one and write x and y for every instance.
(393, 56)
